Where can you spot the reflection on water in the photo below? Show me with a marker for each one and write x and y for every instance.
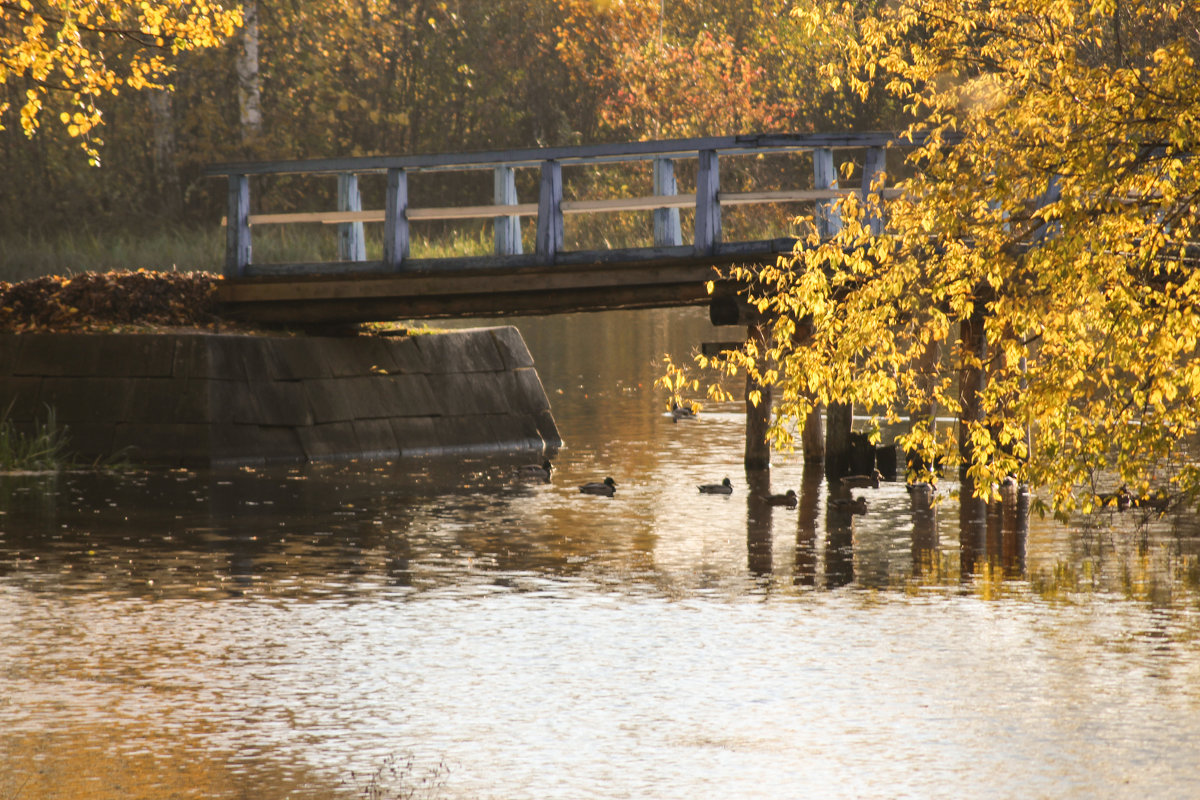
(285, 632)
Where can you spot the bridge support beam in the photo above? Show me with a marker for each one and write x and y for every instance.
(506, 231)
(758, 418)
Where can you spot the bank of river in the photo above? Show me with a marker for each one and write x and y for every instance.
(291, 632)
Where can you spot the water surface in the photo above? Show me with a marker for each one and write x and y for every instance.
(437, 626)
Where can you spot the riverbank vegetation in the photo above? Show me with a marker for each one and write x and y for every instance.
(43, 447)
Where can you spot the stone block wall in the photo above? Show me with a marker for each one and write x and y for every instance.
(195, 398)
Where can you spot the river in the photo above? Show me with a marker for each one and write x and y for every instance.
(437, 629)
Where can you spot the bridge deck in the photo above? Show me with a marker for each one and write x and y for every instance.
(490, 287)
(550, 279)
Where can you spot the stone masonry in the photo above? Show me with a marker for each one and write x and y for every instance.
(211, 399)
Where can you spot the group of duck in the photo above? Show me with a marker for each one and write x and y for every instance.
(608, 488)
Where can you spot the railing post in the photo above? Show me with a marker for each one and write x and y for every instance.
(666, 220)
(708, 203)
(1053, 193)
(874, 170)
(550, 217)
(829, 221)
(351, 244)
(237, 230)
(506, 230)
(395, 223)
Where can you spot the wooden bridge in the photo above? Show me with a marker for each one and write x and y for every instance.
(550, 279)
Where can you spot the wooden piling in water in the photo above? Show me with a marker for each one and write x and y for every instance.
(971, 382)
(838, 422)
(758, 417)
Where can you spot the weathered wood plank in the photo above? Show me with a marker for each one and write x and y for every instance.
(395, 225)
(506, 229)
(667, 232)
(352, 246)
(407, 284)
(648, 203)
(829, 222)
(549, 239)
(874, 174)
(441, 307)
(237, 232)
(708, 202)
(532, 157)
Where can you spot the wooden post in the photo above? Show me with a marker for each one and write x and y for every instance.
(351, 244)
(838, 422)
(838, 416)
(971, 382)
(829, 221)
(708, 203)
(550, 218)
(666, 220)
(506, 230)
(237, 231)
(875, 169)
(395, 222)
(813, 435)
(758, 418)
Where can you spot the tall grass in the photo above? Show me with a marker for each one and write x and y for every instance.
(42, 449)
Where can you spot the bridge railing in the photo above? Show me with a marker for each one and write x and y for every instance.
(706, 201)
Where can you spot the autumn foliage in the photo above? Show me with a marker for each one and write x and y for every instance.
(1038, 274)
(109, 301)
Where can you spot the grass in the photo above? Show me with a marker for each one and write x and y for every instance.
(43, 450)
(186, 249)
(72, 252)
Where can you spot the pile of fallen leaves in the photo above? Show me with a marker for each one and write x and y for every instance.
(109, 301)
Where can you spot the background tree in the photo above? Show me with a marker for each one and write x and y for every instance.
(1045, 241)
(64, 57)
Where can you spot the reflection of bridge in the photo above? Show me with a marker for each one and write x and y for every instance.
(550, 279)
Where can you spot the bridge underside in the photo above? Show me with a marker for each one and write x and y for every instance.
(482, 287)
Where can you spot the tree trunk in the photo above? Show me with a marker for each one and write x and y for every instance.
(249, 88)
(166, 169)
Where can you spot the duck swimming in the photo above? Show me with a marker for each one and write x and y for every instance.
(862, 481)
(858, 505)
(790, 499)
(679, 412)
(536, 472)
(724, 487)
(608, 488)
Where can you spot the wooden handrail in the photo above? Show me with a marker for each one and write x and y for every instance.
(706, 201)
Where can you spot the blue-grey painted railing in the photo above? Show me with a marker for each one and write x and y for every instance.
(506, 210)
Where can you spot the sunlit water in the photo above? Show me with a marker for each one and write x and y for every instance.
(437, 627)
